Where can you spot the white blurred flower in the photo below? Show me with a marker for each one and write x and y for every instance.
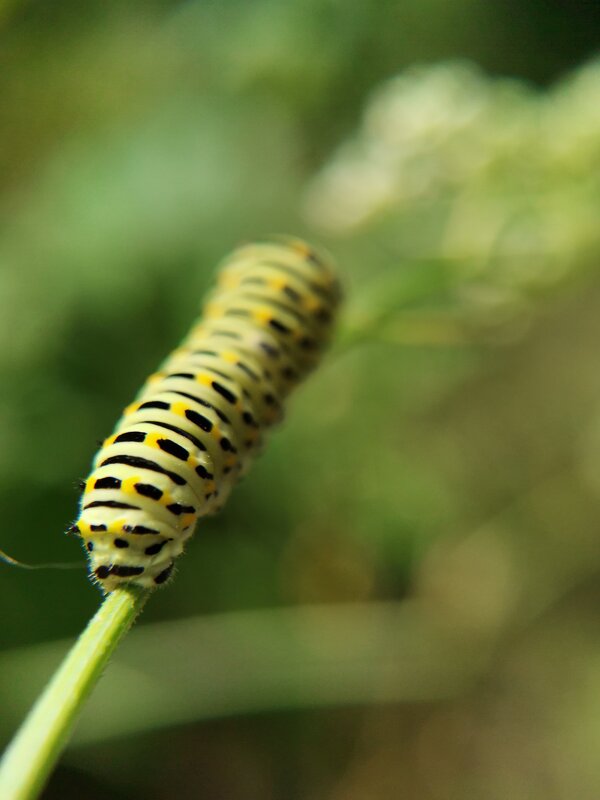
(501, 181)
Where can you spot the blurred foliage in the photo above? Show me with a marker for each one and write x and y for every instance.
(485, 191)
(436, 481)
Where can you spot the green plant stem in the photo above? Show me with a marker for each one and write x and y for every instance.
(39, 742)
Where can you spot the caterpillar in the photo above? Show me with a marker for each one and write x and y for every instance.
(198, 422)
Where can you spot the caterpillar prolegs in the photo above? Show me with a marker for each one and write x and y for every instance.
(197, 423)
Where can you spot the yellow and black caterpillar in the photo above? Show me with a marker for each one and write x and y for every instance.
(198, 422)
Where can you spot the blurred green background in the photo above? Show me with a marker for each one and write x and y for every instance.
(401, 600)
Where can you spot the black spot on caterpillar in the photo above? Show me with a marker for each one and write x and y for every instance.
(196, 424)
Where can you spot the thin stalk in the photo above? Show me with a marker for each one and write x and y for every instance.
(43, 735)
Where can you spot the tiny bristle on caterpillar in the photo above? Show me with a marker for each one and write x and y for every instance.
(197, 422)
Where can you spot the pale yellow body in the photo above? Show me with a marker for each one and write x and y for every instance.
(197, 423)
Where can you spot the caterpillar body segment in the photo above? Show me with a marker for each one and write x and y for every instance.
(198, 422)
